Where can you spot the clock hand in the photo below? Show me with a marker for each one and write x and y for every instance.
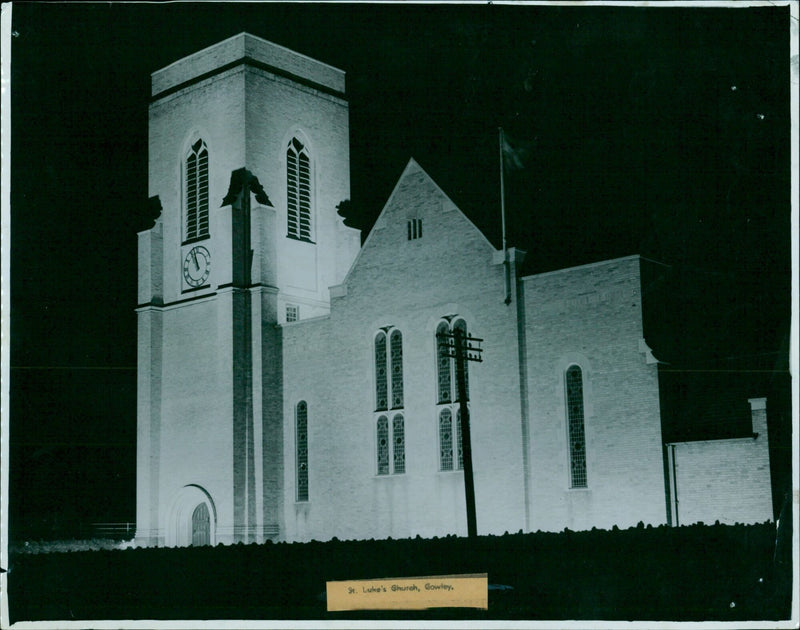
(194, 257)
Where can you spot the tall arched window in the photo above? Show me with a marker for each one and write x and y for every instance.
(301, 423)
(448, 405)
(381, 380)
(398, 444)
(383, 445)
(196, 193)
(389, 387)
(443, 367)
(445, 439)
(450, 457)
(396, 344)
(298, 191)
(577, 440)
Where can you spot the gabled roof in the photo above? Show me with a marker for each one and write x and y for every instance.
(412, 168)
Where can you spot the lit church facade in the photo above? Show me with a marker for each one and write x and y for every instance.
(290, 382)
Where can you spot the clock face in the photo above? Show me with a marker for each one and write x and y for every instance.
(196, 266)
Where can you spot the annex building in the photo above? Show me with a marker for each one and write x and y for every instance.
(290, 382)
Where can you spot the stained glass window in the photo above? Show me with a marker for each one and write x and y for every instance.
(443, 365)
(399, 444)
(298, 191)
(381, 385)
(383, 445)
(197, 191)
(396, 343)
(302, 451)
(389, 379)
(577, 441)
(445, 439)
(451, 455)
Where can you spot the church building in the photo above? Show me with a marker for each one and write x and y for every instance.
(293, 384)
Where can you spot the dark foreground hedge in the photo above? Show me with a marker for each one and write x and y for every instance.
(688, 573)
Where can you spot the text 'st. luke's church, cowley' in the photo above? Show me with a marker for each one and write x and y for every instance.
(290, 385)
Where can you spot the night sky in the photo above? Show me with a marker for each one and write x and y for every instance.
(661, 131)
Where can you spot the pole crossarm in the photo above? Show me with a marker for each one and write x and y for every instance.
(471, 346)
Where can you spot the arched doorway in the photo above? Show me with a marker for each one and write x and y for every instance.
(192, 518)
(201, 526)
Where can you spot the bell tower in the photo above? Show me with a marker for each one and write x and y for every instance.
(248, 159)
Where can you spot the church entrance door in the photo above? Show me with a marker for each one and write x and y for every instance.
(201, 526)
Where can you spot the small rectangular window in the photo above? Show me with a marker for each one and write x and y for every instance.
(292, 312)
(414, 229)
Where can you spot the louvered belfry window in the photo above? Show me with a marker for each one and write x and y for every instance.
(577, 438)
(298, 191)
(197, 191)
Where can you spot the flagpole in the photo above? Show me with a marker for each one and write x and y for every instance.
(506, 274)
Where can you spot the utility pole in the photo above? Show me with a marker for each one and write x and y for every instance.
(464, 348)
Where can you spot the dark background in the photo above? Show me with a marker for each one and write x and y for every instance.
(654, 131)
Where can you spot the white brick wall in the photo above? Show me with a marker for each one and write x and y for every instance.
(329, 363)
(723, 480)
(591, 316)
(214, 111)
(304, 271)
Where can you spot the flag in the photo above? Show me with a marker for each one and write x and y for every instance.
(513, 155)
(515, 152)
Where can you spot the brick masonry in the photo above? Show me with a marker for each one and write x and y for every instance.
(409, 285)
(723, 480)
(591, 316)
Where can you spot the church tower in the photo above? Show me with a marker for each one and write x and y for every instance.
(249, 157)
